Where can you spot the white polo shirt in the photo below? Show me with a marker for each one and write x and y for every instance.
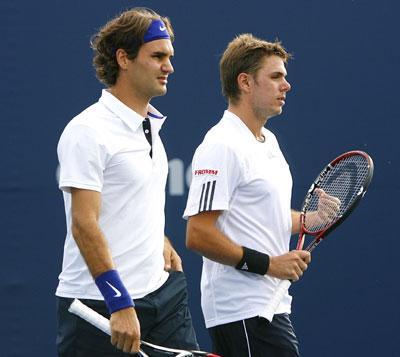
(251, 183)
(104, 149)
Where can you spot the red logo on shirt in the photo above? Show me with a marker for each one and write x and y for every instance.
(205, 172)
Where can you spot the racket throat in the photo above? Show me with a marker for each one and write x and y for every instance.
(300, 242)
(313, 244)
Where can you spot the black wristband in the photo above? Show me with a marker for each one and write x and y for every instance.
(253, 261)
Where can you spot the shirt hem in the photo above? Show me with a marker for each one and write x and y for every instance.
(243, 316)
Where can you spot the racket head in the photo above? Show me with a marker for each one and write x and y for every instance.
(345, 178)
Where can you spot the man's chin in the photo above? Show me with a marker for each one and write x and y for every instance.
(160, 92)
(274, 113)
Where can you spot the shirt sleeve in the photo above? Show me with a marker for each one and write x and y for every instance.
(216, 172)
(82, 159)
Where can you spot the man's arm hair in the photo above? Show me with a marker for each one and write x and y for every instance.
(86, 231)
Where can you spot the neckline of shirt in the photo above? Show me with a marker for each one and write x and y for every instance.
(239, 122)
(128, 115)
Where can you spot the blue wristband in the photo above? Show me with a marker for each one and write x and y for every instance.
(113, 290)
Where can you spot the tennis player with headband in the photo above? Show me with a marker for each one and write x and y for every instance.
(238, 209)
(113, 172)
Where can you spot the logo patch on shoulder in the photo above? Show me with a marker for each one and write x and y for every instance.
(206, 172)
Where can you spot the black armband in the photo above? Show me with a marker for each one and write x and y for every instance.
(253, 261)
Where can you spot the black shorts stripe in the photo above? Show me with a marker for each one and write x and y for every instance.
(247, 338)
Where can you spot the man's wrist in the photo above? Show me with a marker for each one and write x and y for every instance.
(253, 261)
(116, 296)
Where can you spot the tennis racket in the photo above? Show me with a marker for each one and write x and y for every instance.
(85, 312)
(333, 195)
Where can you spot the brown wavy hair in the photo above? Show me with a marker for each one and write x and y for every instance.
(245, 54)
(126, 31)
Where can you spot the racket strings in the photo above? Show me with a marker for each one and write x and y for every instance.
(335, 191)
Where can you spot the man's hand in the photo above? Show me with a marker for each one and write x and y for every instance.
(171, 257)
(289, 266)
(125, 330)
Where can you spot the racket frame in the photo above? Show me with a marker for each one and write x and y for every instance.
(322, 233)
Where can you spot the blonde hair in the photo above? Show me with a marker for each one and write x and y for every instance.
(245, 54)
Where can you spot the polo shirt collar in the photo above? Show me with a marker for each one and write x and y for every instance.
(132, 119)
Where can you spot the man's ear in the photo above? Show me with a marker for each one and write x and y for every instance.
(244, 81)
(122, 58)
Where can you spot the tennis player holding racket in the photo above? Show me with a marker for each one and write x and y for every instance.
(113, 171)
(238, 209)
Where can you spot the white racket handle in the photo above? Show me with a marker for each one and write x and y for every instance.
(85, 312)
(279, 293)
(91, 316)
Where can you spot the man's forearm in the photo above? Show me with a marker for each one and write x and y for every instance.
(295, 221)
(203, 237)
(93, 247)
(87, 233)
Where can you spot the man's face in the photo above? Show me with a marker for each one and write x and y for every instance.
(149, 71)
(269, 87)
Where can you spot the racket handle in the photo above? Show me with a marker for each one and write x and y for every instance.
(91, 316)
(279, 293)
(86, 313)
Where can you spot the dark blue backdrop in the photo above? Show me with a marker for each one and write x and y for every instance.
(344, 80)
